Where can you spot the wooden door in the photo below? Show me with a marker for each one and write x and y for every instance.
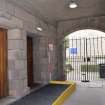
(3, 63)
(30, 61)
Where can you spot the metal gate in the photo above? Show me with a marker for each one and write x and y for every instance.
(84, 59)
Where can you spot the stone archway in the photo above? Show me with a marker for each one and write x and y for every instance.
(83, 53)
(69, 26)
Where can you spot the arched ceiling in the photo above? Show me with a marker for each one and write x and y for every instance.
(57, 10)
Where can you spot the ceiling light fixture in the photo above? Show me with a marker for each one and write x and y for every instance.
(73, 4)
(39, 28)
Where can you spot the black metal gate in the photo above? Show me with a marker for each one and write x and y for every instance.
(84, 59)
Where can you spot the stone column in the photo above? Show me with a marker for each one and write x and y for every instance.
(17, 62)
(41, 74)
(43, 70)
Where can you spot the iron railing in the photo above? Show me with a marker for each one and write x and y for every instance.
(82, 58)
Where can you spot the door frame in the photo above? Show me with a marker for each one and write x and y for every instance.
(4, 91)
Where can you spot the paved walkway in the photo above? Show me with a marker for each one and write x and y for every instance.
(87, 96)
(82, 96)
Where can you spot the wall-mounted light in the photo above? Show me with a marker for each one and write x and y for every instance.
(39, 28)
(73, 4)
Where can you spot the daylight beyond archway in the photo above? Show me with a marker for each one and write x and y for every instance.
(84, 54)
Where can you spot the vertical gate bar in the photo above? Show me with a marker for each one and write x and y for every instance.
(101, 53)
(102, 50)
(103, 57)
(84, 73)
(64, 55)
(90, 57)
(104, 62)
(69, 73)
(72, 73)
(102, 38)
(98, 57)
(95, 45)
(67, 64)
(87, 60)
(92, 61)
(76, 62)
(79, 43)
(65, 58)
(102, 46)
(80, 61)
(94, 55)
(73, 59)
(83, 56)
(68, 68)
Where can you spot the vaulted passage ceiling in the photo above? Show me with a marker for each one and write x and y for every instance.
(57, 10)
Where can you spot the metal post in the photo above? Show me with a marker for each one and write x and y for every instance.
(85, 59)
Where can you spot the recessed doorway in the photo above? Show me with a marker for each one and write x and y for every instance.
(30, 61)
